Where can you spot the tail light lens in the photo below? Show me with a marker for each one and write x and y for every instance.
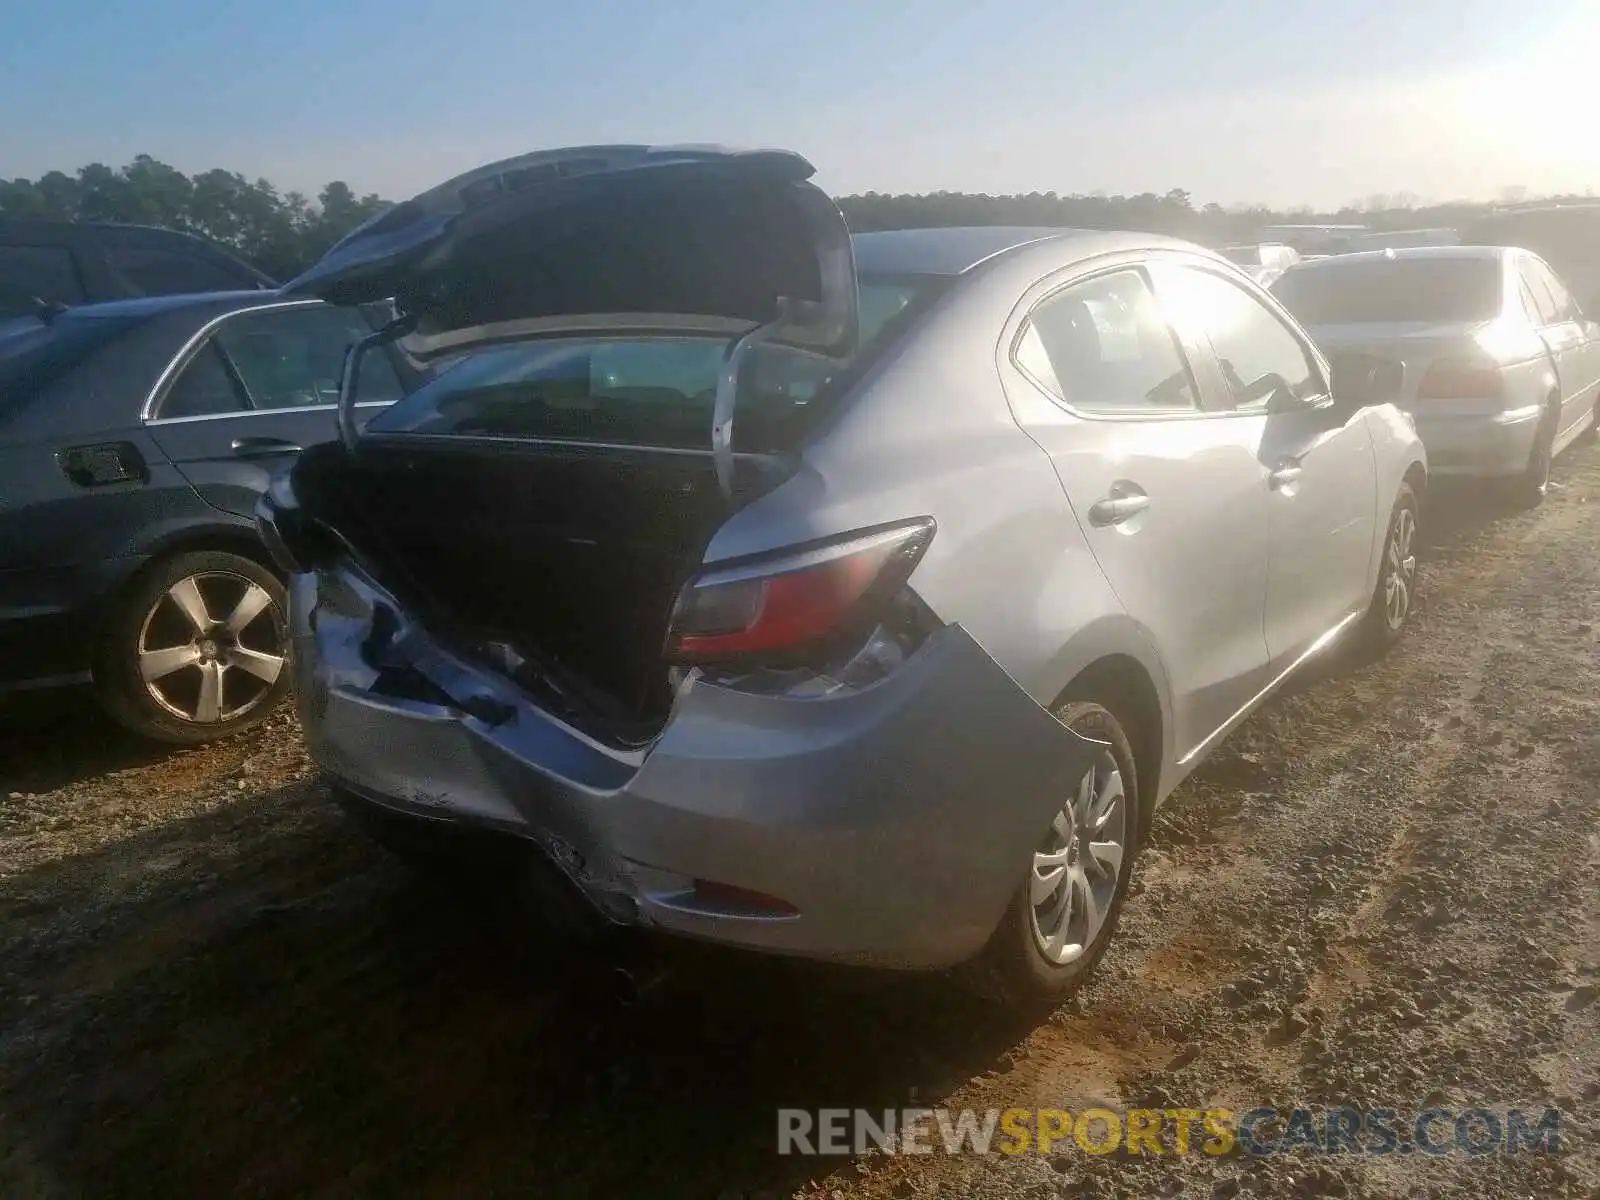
(1462, 379)
(779, 606)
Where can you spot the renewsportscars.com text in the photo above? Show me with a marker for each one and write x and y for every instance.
(1259, 1132)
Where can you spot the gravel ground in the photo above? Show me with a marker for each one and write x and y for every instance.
(1383, 891)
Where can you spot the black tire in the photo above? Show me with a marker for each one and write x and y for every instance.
(1379, 631)
(1013, 968)
(1528, 490)
(148, 616)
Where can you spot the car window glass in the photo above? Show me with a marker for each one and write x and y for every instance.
(1560, 299)
(293, 358)
(149, 271)
(645, 390)
(1530, 303)
(29, 273)
(1103, 346)
(1533, 279)
(1260, 358)
(204, 388)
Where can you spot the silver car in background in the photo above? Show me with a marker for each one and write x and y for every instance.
(1261, 261)
(1501, 367)
(852, 599)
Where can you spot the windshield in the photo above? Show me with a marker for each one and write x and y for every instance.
(656, 391)
(1245, 256)
(1397, 289)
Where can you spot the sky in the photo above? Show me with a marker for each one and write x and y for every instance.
(1284, 103)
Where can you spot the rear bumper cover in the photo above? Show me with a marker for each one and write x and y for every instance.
(1479, 443)
(896, 820)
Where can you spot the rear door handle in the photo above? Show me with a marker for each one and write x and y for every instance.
(1116, 509)
(1283, 476)
(261, 447)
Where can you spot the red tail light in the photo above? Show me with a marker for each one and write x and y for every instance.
(1462, 379)
(781, 604)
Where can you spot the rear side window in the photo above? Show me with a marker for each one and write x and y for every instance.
(30, 273)
(1104, 347)
(1562, 306)
(205, 388)
(293, 358)
(1261, 358)
(278, 359)
(153, 271)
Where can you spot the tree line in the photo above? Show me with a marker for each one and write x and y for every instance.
(283, 232)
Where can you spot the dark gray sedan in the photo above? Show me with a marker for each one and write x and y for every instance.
(135, 438)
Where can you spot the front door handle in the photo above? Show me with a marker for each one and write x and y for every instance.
(1118, 507)
(1284, 475)
(261, 447)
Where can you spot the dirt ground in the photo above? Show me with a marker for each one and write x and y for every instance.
(1383, 891)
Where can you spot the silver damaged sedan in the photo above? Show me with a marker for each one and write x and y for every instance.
(852, 598)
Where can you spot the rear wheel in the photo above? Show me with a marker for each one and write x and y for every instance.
(197, 649)
(1396, 593)
(1066, 910)
(1529, 489)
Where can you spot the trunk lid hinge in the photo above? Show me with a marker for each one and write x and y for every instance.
(727, 391)
(350, 377)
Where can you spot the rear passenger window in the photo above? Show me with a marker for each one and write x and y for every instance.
(204, 388)
(293, 358)
(1260, 358)
(1104, 347)
(29, 273)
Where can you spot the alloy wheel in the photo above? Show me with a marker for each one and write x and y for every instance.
(1073, 883)
(1400, 568)
(211, 647)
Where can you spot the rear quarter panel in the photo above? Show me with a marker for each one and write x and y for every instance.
(928, 432)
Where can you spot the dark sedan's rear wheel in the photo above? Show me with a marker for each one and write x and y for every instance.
(1063, 916)
(197, 649)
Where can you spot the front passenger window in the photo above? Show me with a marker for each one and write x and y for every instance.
(1261, 359)
(1104, 347)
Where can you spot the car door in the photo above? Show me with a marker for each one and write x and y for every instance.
(1573, 348)
(1170, 498)
(1319, 468)
(261, 385)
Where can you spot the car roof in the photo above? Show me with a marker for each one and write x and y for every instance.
(45, 225)
(152, 306)
(955, 250)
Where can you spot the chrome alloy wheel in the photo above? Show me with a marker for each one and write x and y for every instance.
(1400, 568)
(211, 647)
(1074, 878)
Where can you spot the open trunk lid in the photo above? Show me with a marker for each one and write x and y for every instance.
(523, 505)
(606, 237)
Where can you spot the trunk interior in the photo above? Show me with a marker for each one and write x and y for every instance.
(555, 564)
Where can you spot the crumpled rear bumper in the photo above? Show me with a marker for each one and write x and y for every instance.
(894, 822)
